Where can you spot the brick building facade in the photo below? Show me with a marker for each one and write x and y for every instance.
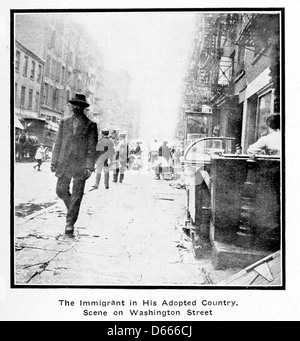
(28, 81)
(70, 62)
(235, 70)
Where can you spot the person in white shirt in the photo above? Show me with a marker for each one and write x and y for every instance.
(39, 156)
(121, 157)
(271, 143)
(105, 151)
(164, 153)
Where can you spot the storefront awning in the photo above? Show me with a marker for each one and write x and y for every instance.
(17, 122)
(242, 95)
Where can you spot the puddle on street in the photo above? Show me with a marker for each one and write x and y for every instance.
(25, 209)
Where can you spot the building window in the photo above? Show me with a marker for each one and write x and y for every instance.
(30, 99)
(37, 100)
(62, 74)
(53, 68)
(49, 34)
(54, 119)
(22, 101)
(17, 61)
(58, 71)
(25, 68)
(69, 77)
(50, 96)
(16, 93)
(261, 41)
(32, 70)
(48, 62)
(48, 118)
(56, 98)
(53, 97)
(54, 103)
(264, 110)
(46, 93)
(52, 44)
(39, 76)
(240, 59)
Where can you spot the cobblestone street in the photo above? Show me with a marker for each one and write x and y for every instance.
(130, 234)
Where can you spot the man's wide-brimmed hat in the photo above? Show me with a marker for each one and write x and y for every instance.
(79, 99)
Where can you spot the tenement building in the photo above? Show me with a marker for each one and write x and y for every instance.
(235, 70)
(54, 59)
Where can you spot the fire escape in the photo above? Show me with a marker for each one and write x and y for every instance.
(211, 68)
(245, 30)
(221, 67)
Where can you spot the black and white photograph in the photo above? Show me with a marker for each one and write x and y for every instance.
(147, 160)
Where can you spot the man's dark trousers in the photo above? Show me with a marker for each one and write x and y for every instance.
(72, 201)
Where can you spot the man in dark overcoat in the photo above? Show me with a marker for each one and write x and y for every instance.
(74, 157)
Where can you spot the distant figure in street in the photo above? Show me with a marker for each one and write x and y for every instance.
(121, 159)
(73, 157)
(40, 157)
(177, 161)
(203, 129)
(138, 150)
(153, 150)
(164, 154)
(136, 156)
(216, 131)
(49, 155)
(105, 151)
(271, 143)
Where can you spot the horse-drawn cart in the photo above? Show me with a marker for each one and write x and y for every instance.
(36, 131)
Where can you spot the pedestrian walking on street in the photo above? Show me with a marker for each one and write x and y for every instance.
(105, 151)
(40, 157)
(163, 167)
(73, 157)
(177, 162)
(121, 159)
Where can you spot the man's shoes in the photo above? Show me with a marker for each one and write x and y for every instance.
(157, 178)
(69, 229)
(93, 188)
